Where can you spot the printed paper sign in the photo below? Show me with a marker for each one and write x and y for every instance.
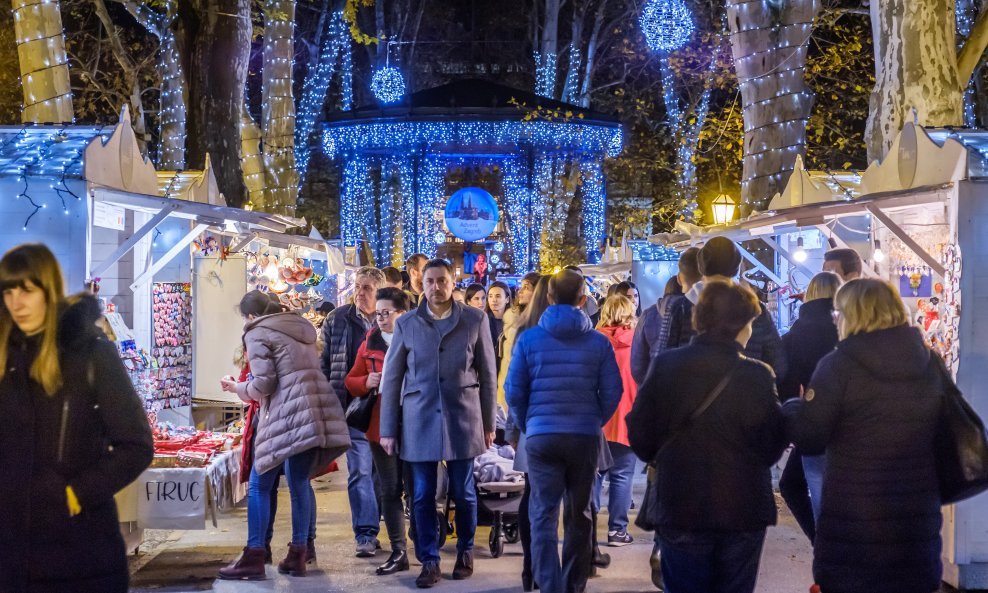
(172, 499)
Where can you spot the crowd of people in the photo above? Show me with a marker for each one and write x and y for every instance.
(411, 383)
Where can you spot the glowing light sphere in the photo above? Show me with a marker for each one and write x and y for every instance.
(667, 24)
(439, 237)
(499, 246)
(495, 259)
(388, 85)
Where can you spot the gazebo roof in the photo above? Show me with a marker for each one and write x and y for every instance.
(473, 98)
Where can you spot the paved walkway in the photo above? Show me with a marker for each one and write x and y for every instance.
(181, 562)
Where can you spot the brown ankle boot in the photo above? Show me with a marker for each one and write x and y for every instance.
(294, 562)
(310, 551)
(249, 567)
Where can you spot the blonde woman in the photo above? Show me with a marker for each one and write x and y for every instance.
(74, 434)
(872, 407)
(617, 322)
(812, 336)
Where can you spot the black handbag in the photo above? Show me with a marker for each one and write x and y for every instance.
(360, 409)
(961, 446)
(358, 413)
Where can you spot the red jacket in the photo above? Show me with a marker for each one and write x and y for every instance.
(616, 430)
(370, 359)
(247, 442)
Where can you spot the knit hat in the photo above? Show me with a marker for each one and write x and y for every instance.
(719, 257)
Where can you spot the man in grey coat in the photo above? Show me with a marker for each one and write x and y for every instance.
(438, 399)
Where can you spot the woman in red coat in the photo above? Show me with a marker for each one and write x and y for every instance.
(617, 322)
(362, 380)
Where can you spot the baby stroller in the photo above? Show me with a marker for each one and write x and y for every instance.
(497, 508)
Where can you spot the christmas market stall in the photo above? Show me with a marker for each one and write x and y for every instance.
(471, 168)
(918, 220)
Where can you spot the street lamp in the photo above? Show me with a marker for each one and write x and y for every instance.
(723, 207)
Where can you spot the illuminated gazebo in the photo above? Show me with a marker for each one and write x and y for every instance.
(536, 156)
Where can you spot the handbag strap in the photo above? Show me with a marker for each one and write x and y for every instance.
(704, 405)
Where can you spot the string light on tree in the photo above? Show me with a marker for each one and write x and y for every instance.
(388, 85)
(667, 24)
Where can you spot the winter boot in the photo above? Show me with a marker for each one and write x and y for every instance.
(310, 551)
(249, 567)
(294, 562)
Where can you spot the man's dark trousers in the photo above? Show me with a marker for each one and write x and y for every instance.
(561, 468)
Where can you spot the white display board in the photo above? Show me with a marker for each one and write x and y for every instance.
(217, 327)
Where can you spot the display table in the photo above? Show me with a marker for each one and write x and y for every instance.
(178, 498)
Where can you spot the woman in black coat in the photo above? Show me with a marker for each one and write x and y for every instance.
(73, 434)
(811, 337)
(872, 407)
(712, 484)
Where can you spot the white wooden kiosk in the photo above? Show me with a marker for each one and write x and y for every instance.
(926, 206)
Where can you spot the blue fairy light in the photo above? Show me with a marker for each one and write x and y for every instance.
(388, 85)
(667, 24)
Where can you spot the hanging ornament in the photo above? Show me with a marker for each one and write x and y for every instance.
(667, 24)
(388, 85)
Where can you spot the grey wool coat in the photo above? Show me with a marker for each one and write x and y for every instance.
(439, 390)
(299, 410)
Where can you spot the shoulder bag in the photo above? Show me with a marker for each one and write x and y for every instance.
(960, 447)
(649, 501)
(360, 409)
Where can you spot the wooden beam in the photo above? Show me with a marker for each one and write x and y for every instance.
(168, 257)
(905, 238)
(754, 261)
(133, 240)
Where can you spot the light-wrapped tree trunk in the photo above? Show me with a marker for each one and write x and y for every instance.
(44, 65)
(915, 68)
(278, 107)
(769, 41)
(252, 161)
(547, 52)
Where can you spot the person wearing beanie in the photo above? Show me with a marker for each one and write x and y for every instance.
(719, 259)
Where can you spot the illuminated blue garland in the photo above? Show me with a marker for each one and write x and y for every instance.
(667, 24)
(388, 85)
(545, 74)
(314, 90)
(347, 137)
(594, 198)
(572, 75)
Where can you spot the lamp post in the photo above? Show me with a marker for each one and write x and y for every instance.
(723, 207)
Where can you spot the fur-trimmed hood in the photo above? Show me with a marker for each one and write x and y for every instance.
(77, 324)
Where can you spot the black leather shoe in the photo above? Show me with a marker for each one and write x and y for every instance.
(600, 559)
(397, 562)
(429, 576)
(655, 563)
(464, 566)
(528, 583)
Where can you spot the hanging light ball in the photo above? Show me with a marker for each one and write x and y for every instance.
(388, 85)
(667, 24)
(495, 259)
(499, 246)
(440, 237)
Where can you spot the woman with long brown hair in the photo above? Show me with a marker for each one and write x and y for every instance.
(74, 434)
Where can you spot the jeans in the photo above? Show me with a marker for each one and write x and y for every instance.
(710, 562)
(365, 516)
(813, 468)
(389, 472)
(795, 491)
(463, 491)
(261, 489)
(562, 468)
(620, 475)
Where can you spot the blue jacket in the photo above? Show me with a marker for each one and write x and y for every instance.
(563, 377)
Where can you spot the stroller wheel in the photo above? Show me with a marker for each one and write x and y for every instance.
(442, 528)
(511, 534)
(496, 544)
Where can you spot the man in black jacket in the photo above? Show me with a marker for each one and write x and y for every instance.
(343, 331)
(719, 259)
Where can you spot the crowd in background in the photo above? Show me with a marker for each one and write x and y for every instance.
(411, 382)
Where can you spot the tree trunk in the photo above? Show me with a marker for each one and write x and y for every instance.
(221, 48)
(278, 113)
(769, 41)
(252, 162)
(547, 56)
(44, 65)
(572, 84)
(584, 95)
(130, 75)
(915, 68)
